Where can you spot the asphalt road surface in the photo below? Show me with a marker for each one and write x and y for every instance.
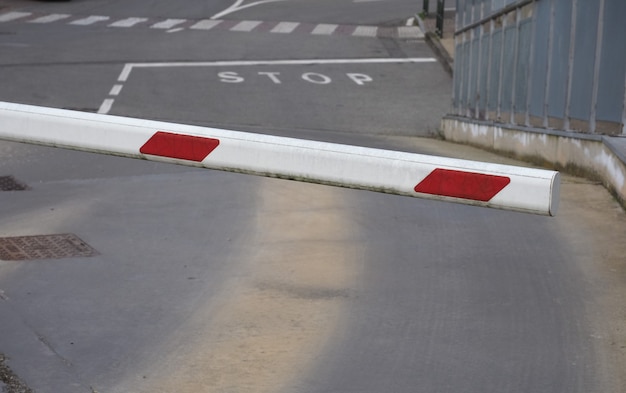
(206, 281)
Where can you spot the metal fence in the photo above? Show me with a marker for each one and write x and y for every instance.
(557, 64)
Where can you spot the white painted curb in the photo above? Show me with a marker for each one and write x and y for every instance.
(468, 182)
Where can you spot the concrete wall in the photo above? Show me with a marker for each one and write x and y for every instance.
(593, 156)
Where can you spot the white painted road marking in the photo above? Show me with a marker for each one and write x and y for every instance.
(238, 5)
(115, 91)
(90, 20)
(13, 16)
(324, 29)
(246, 25)
(205, 24)
(50, 18)
(128, 22)
(234, 77)
(168, 24)
(285, 27)
(176, 25)
(275, 77)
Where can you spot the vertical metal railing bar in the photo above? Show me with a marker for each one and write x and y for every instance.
(489, 69)
(501, 76)
(549, 66)
(531, 61)
(457, 16)
(478, 98)
(570, 67)
(468, 96)
(470, 73)
(515, 67)
(459, 60)
(596, 69)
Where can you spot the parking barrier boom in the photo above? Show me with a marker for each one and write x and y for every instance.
(468, 182)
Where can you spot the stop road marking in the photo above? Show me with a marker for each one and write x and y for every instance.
(272, 76)
(310, 77)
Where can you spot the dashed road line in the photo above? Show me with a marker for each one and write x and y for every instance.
(285, 27)
(246, 25)
(14, 15)
(50, 18)
(168, 24)
(324, 29)
(90, 20)
(172, 25)
(206, 24)
(128, 22)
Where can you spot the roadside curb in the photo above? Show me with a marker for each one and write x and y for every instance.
(596, 157)
(440, 52)
(435, 44)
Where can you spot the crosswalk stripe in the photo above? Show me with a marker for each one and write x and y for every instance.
(246, 25)
(128, 22)
(168, 23)
(324, 29)
(285, 27)
(50, 18)
(206, 24)
(9, 16)
(365, 31)
(90, 20)
(402, 32)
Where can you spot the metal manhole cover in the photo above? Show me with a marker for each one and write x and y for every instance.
(8, 183)
(65, 245)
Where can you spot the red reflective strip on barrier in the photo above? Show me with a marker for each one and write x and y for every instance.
(183, 147)
(459, 184)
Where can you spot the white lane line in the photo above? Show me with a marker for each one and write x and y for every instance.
(382, 60)
(168, 24)
(115, 91)
(365, 31)
(9, 16)
(50, 18)
(285, 27)
(206, 24)
(125, 72)
(106, 106)
(324, 29)
(128, 22)
(90, 20)
(246, 25)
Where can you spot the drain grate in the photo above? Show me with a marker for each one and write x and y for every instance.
(8, 183)
(57, 246)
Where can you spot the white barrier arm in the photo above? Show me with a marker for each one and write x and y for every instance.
(468, 182)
